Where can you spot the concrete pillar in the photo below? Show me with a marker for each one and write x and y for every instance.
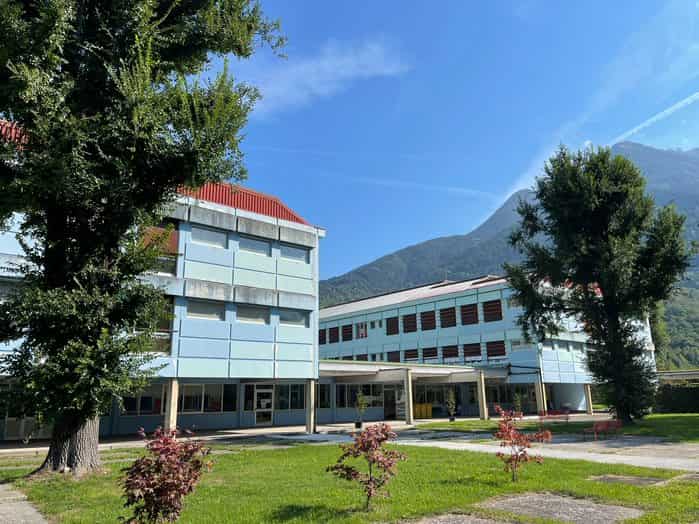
(540, 392)
(408, 393)
(311, 406)
(482, 400)
(588, 399)
(172, 393)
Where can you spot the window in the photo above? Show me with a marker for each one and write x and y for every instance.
(410, 355)
(363, 356)
(427, 321)
(252, 314)
(429, 353)
(206, 309)
(323, 394)
(163, 323)
(301, 254)
(348, 357)
(372, 324)
(392, 326)
(293, 317)
(249, 398)
(447, 317)
(492, 311)
(213, 397)
(148, 402)
(322, 336)
(281, 396)
(495, 349)
(209, 237)
(450, 352)
(340, 396)
(513, 302)
(333, 335)
(409, 323)
(360, 329)
(230, 397)
(515, 343)
(297, 400)
(190, 400)
(255, 245)
(379, 323)
(472, 350)
(166, 265)
(346, 332)
(393, 356)
(469, 314)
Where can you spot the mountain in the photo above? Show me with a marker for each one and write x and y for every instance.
(672, 177)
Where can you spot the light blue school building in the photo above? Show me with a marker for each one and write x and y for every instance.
(247, 345)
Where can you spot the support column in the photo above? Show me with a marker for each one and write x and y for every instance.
(588, 399)
(540, 392)
(311, 406)
(408, 392)
(482, 400)
(172, 393)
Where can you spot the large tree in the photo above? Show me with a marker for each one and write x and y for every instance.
(596, 249)
(112, 123)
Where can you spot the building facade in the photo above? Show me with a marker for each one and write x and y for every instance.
(469, 324)
(241, 274)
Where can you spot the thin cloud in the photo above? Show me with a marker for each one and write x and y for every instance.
(662, 115)
(298, 81)
(659, 57)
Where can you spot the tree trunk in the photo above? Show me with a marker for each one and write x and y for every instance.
(73, 448)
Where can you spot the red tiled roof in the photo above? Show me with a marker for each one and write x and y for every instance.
(218, 193)
(243, 198)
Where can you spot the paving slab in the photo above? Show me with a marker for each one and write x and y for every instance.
(562, 508)
(454, 518)
(627, 479)
(15, 509)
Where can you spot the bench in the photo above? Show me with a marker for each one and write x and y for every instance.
(603, 427)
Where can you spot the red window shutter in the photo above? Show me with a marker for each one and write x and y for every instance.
(347, 332)
(409, 323)
(429, 353)
(492, 311)
(392, 326)
(362, 357)
(333, 335)
(410, 355)
(472, 350)
(450, 352)
(495, 348)
(447, 317)
(321, 336)
(469, 314)
(427, 320)
(393, 356)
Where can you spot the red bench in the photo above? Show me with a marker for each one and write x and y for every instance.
(604, 427)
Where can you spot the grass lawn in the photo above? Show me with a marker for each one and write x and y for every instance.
(291, 485)
(676, 427)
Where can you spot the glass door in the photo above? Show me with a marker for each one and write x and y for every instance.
(264, 403)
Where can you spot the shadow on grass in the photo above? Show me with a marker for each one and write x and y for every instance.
(311, 513)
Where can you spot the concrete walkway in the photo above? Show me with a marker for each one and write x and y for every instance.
(15, 509)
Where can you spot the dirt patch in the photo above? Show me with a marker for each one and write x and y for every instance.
(454, 518)
(627, 479)
(566, 509)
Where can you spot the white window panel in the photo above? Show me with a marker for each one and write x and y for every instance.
(206, 309)
(293, 317)
(209, 237)
(255, 245)
(300, 254)
(252, 314)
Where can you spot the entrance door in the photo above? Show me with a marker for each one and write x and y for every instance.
(264, 402)
(389, 403)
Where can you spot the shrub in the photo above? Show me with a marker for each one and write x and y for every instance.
(451, 402)
(157, 483)
(381, 462)
(519, 443)
(677, 398)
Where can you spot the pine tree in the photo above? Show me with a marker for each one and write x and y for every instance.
(596, 249)
(113, 122)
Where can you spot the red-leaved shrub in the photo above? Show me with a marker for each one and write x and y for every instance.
(156, 484)
(381, 462)
(519, 443)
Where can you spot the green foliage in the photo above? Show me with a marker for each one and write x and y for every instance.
(451, 402)
(595, 249)
(114, 124)
(682, 317)
(677, 398)
(361, 405)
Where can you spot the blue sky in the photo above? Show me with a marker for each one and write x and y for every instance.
(390, 123)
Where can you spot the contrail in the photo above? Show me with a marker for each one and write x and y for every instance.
(657, 117)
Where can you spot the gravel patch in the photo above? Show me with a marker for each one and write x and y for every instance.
(566, 509)
(627, 479)
(454, 518)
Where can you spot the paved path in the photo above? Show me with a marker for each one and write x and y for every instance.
(678, 462)
(15, 509)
